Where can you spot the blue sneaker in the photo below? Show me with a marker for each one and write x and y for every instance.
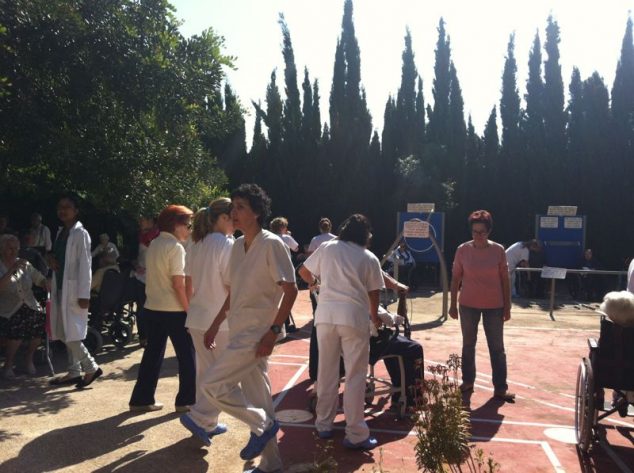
(195, 429)
(219, 429)
(367, 444)
(257, 443)
(257, 470)
(325, 434)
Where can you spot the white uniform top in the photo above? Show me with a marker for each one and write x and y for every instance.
(630, 277)
(165, 258)
(207, 263)
(319, 239)
(255, 277)
(515, 254)
(290, 241)
(347, 272)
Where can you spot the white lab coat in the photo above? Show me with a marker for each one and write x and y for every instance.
(69, 322)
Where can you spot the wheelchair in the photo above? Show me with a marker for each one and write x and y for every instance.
(609, 365)
(113, 311)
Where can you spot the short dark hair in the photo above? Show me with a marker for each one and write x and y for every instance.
(71, 197)
(481, 216)
(356, 228)
(325, 225)
(259, 202)
(172, 215)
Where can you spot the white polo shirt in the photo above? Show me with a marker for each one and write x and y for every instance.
(515, 254)
(290, 241)
(319, 239)
(165, 258)
(207, 263)
(254, 277)
(347, 272)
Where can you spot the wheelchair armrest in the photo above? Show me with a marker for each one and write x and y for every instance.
(593, 344)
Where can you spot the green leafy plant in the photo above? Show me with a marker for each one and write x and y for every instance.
(324, 462)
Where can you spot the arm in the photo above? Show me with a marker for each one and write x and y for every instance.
(84, 278)
(307, 276)
(455, 286)
(506, 294)
(393, 284)
(47, 239)
(212, 331)
(189, 288)
(6, 277)
(178, 284)
(267, 342)
(374, 307)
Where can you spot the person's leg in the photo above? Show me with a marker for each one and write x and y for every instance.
(81, 357)
(141, 322)
(34, 343)
(11, 350)
(256, 388)
(469, 320)
(412, 353)
(203, 412)
(513, 277)
(356, 352)
(493, 322)
(184, 349)
(328, 376)
(150, 368)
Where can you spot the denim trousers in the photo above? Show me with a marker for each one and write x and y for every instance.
(493, 322)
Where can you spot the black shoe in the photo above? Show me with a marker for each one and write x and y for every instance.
(83, 383)
(63, 380)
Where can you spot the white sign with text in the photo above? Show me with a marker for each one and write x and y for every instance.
(548, 272)
(416, 229)
(424, 208)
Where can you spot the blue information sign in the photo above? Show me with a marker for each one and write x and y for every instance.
(422, 248)
(563, 237)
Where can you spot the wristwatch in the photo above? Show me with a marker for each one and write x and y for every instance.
(276, 329)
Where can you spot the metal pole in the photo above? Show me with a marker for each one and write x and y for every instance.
(552, 298)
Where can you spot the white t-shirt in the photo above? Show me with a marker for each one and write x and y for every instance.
(630, 277)
(207, 263)
(41, 237)
(290, 241)
(165, 258)
(319, 239)
(515, 254)
(347, 272)
(254, 277)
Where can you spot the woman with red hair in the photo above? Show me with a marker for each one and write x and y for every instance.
(165, 310)
(480, 272)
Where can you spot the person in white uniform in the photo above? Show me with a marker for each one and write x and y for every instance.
(206, 266)
(262, 292)
(325, 225)
(351, 279)
(517, 256)
(70, 294)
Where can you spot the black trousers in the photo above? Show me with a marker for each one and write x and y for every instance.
(139, 297)
(412, 353)
(160, 326)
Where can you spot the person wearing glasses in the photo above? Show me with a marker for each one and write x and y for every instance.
(166, 307)
(480, 274)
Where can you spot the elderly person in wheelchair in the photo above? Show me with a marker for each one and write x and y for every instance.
(610, 365)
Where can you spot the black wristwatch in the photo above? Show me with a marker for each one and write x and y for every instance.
(276, 329)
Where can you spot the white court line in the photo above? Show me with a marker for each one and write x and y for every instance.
(478, 373)
(571, 396)
(291, 382)
(289, 356)
(544, 445)
(285, 363)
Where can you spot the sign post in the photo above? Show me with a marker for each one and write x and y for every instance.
(553, 274)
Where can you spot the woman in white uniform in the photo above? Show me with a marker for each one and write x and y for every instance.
(70, 294)
(351, 279)
(206, 266)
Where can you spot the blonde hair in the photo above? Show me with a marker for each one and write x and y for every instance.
(278, 224)
(206, 218)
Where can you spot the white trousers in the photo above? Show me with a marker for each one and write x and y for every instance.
(333, 340)
(203, 412)
(239, 385)
(79, 359)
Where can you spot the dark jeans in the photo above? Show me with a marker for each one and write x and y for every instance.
(162, 325)
(493, 322)
(412, 353)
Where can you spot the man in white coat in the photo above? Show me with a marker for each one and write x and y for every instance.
(262, 285)
(70, 294)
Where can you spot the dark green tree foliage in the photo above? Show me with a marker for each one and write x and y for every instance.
(457, 128)
(510, 103)
(307, 111)
(106, 99)
(258, 152)
(554, 114)
(439, 117)
(406, 116)
(419, 132)
(316, 122)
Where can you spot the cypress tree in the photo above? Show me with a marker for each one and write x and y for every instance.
(439, 117)
(316, 124)
(420, 119)
(406, 102)
(510, 102)
(307, 111)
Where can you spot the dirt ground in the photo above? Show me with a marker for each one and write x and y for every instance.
(44, 428)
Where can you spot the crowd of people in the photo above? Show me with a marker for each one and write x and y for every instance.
(224, 302)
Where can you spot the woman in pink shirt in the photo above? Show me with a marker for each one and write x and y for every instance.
(480, 272)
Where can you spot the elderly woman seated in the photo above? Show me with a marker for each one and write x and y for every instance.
(21, 317)
(109, 263)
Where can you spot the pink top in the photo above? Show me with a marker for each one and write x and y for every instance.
(481, 271)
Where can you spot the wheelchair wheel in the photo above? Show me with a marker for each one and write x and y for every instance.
(585, 410)
(370, 389)
(120, 333)
(93, 341)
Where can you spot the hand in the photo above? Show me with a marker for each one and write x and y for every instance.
(402, 288)
(267, 342)
(453, 312)
(210, 337)
(507, 315)
(83, 303)
(52, 263)
(20, 264)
